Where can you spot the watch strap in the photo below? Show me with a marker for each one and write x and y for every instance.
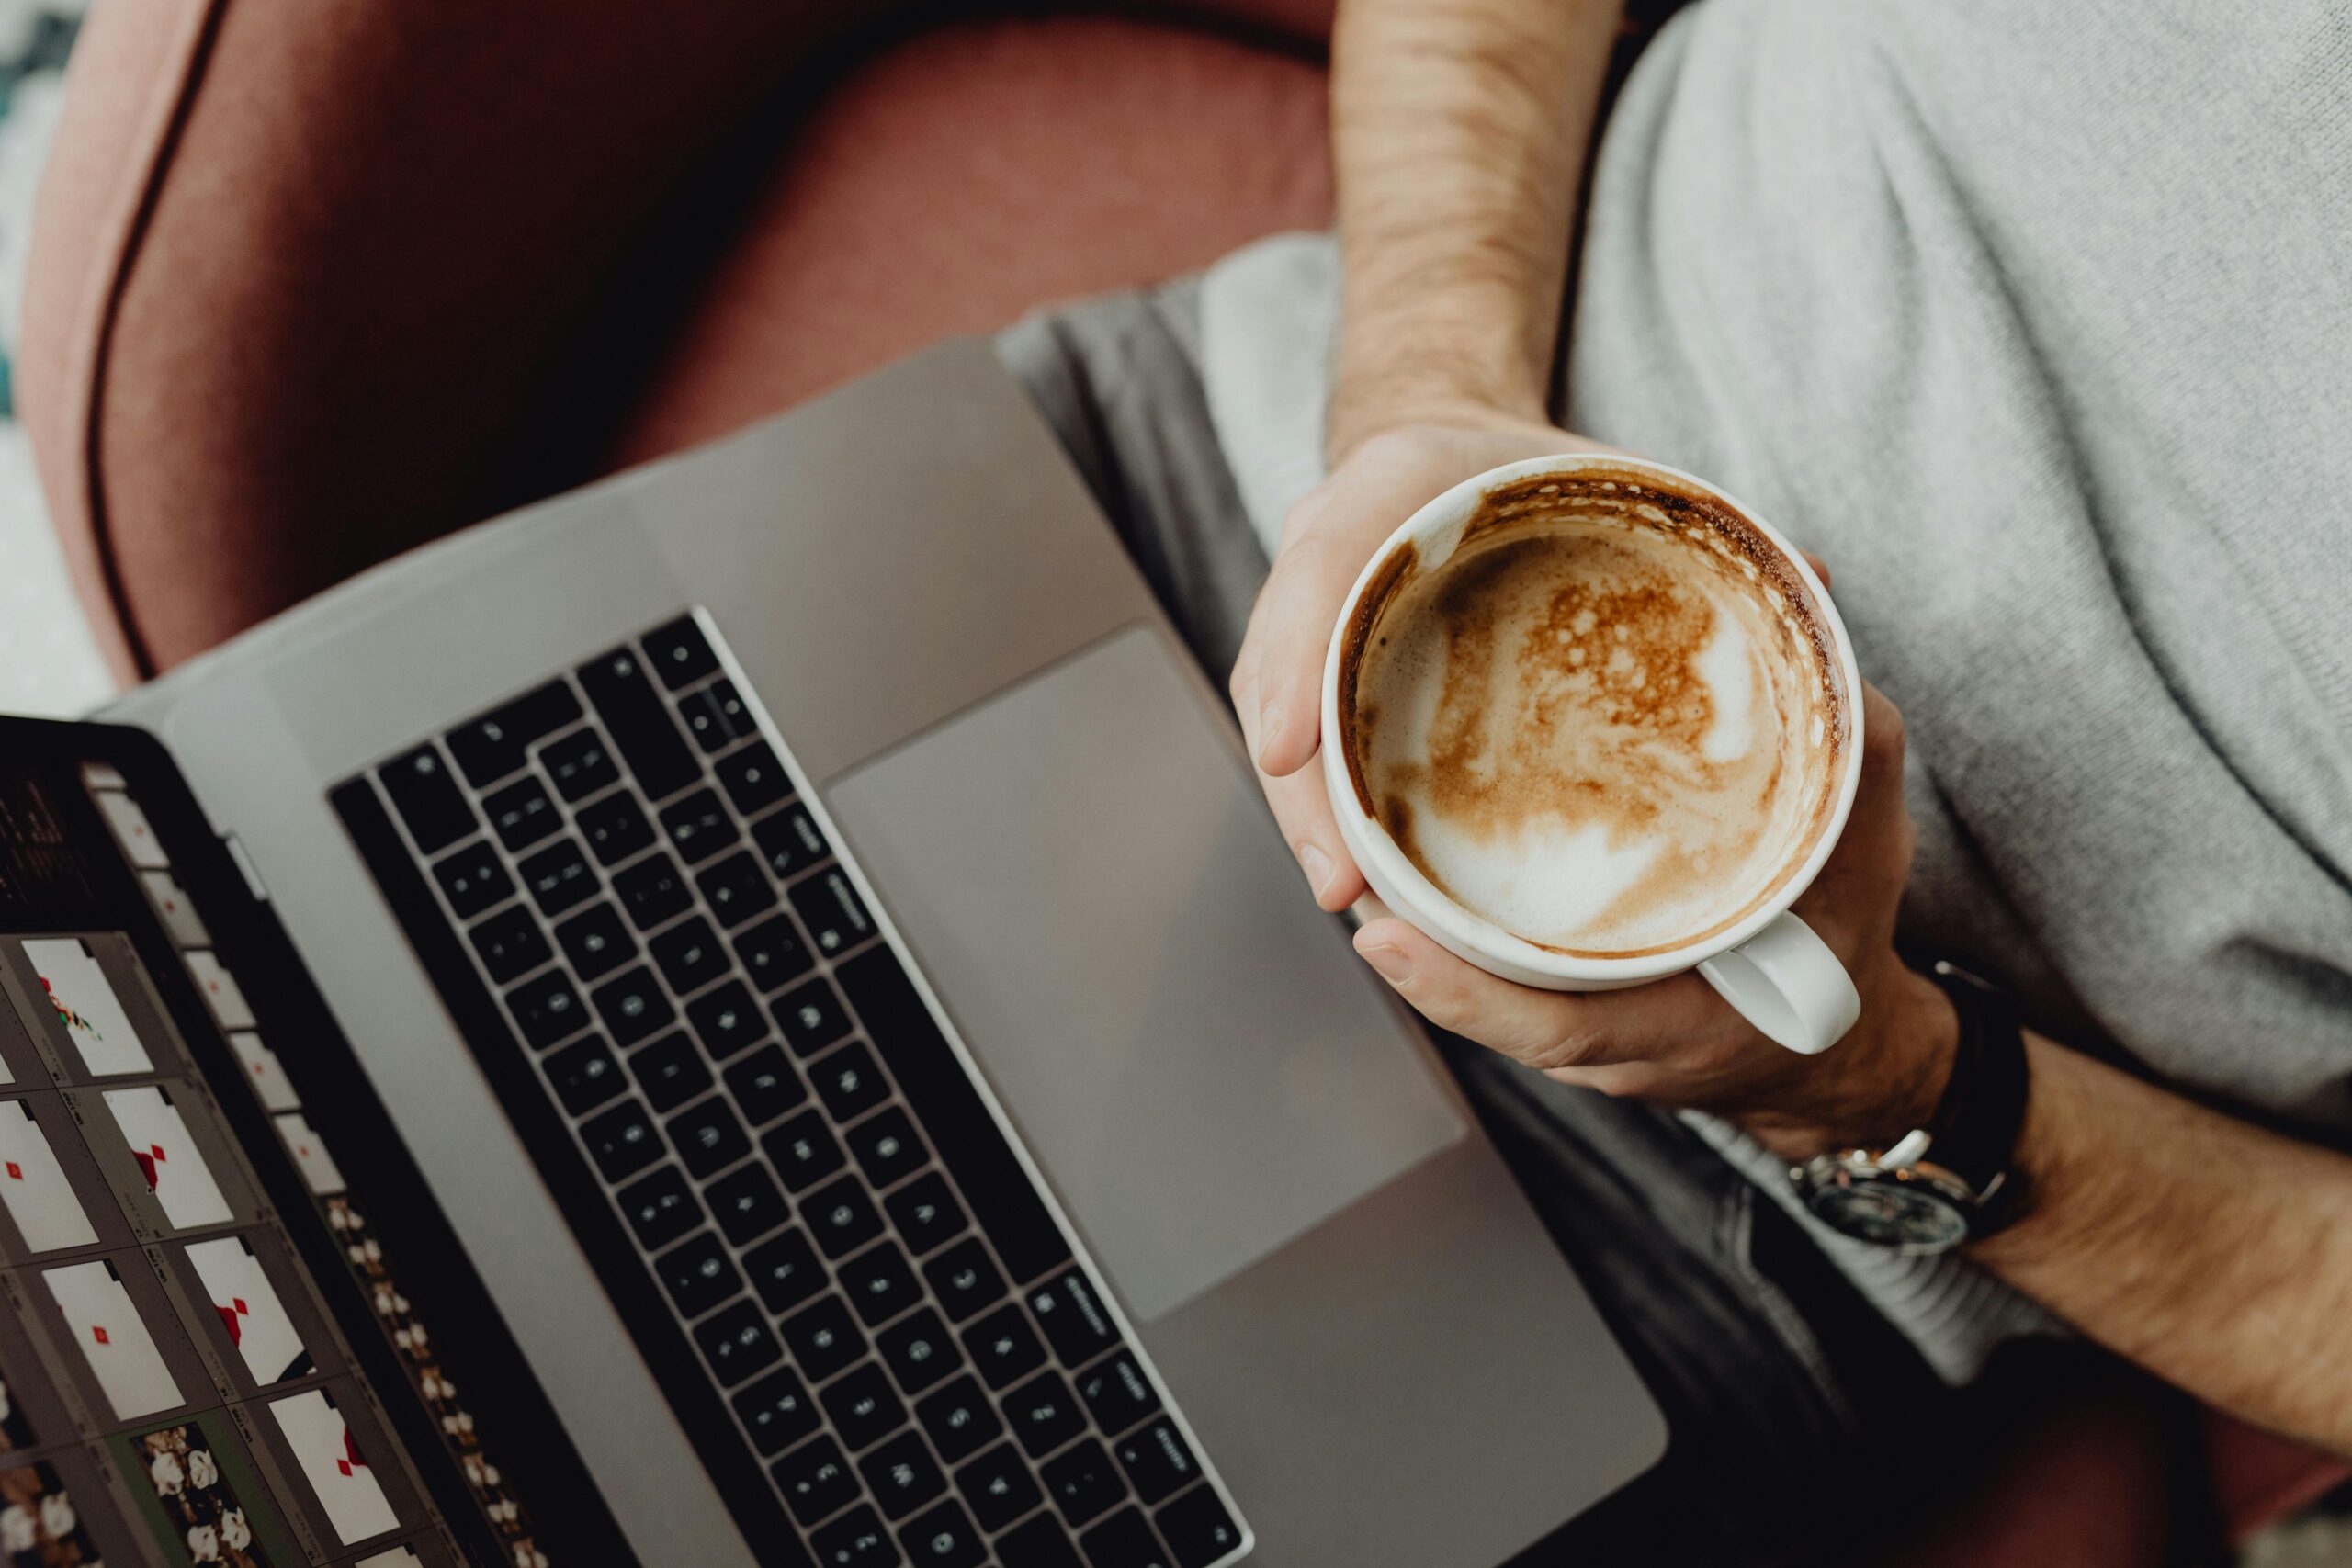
(1973, 1132)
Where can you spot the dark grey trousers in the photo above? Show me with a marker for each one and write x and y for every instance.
(1805, 1427)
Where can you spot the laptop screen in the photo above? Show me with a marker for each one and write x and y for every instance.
(212, 1348)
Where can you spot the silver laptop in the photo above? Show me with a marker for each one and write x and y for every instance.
(816, 931)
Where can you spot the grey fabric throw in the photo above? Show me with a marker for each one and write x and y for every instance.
(2036, 322)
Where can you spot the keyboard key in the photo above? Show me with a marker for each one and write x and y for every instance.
(918, 1350)
(1198, 1529)
(727, 1022)
(841, 1217)
(736, 889)
(848, 1081)
(785, 1271)
(689, 955)
(1005, 1346)
(632, 1006)
(735, 1342)
(886, 1148)
(698, 1275)
(999, 1487)
(811, 1016)
(790, 842)
(1045, 1414)
(777, 1411)
(715, 717)
(597, 942)
(951, 1113)
(522, 814)
(1083, 1483)
(1040, 1544)
(771, 953)
(942, 1537)
(753, 778)
(964, 1279)
(879, 1284)
(579, 764)
(680, 654)
(925, 1213)
(660, 1209)
(585, 1076)
(473, 880)
(856, 1540)
(804, 1151)
(1117, 1393)
(816, 1479)
(831, 908)
(958, 1418)
(428, 799)
(614, 828)
(547, 1009)
(748, 1203)
(699, 827)
(559, 878)
(1073, 1319)
(1157, 1463)
(902, 1476)
(1124, 1541)
(639, 724)
(823, 1339)
(709, 1137)
(863, 1407)
(671, 1071)
(491, 747)
(622, 1141)
(511, 944)
(765, 1085)
(653, 891)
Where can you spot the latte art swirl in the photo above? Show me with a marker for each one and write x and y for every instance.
(1607, 723)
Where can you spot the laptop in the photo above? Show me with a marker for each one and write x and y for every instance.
(748, 1014)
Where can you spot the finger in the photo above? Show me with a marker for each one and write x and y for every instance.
(1820, 566)
(1290, 634)
(1884, 744)
(1303, 810)
(1543, 1029)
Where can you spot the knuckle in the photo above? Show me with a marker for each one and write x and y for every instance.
(1884, 735)
(1573, 1046)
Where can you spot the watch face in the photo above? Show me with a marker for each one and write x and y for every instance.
(1888, 1211)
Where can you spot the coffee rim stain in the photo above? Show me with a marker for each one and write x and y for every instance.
(1495, 513)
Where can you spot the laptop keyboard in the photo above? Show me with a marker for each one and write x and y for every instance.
(703, 1033)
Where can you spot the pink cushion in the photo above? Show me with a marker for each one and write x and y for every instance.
(2260, 1477)
(974, 174)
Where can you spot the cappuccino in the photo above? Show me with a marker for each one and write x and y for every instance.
(1610, 722)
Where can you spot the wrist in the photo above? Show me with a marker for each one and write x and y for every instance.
(1889, 1075)
(1432, 373)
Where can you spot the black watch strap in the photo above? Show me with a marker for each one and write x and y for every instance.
(1974, 1134)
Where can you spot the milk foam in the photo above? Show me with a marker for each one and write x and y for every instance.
(1600, 728)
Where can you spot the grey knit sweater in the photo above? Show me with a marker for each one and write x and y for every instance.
(2036, 321)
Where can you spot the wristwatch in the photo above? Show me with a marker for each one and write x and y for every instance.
(1947, 1182)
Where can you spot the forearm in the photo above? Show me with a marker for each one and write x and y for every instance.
(1459, 132)
(2215, 1254)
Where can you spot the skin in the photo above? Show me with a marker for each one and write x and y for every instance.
(2212, 1252)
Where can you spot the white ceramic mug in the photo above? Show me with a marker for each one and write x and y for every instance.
(1768, 965)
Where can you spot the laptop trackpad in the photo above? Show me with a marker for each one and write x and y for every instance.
(1091, 880)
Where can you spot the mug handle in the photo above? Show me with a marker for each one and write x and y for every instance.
(1786, 982)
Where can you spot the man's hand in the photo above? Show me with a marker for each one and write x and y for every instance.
(1278, 680)
(1677, 1043)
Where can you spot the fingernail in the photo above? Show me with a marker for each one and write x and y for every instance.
(1394, 966)
(1317, 866)
(1270, 719)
